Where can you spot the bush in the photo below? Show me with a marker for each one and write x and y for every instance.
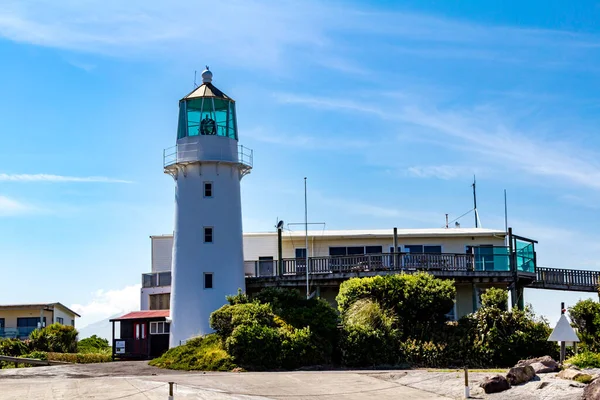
(204, 353)
(497, 338)
(585, 359)
(80, 358)
(419, 301)
(363, 346)
(93, 344)
(54, 338)
(227, 318)
(38, 355)
(255, 346)
(13, 348)
(495, 297)
(585, 315)
(423, 354)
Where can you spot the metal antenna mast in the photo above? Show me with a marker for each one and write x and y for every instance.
(475, 202)
(306, 237)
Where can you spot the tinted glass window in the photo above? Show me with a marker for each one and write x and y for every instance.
(374, 250)
(413, 248)
(208, 280)
(432, 249)
(355, 250)
(337, 251)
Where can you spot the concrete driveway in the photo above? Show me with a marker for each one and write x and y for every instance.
(137, 380)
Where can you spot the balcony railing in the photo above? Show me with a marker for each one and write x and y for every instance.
(186, 152)
(156, 279)
(496, 261)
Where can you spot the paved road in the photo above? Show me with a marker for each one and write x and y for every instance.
(136, 380)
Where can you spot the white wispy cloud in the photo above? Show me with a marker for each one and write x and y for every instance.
(440, 171)
(105, 303)
(57, 178)
(12, 207)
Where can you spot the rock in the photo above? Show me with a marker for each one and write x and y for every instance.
(541, 365)
(573, 374)
(592, 391)
(518, 375)
(495, 384)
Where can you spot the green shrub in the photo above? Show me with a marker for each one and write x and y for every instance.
(419, 301)
(54, 338)
(585, 315)
(255, 346)
(38, 355)
(585, 359)
(363, 346)
(227, 318)
(93, 344)
(495, 297)
(80, 358)
(13, 347)
(423, 354)
(203, 353)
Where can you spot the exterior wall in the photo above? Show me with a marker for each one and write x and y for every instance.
(191, 303)
(260, 246)
(10, 316)
(60, 312)
(319, 247)
(162, 253)
(146, 292)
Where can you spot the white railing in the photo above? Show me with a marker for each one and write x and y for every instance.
(175, 154)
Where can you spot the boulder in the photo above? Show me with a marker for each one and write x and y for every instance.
(541, 365)
(518, 375)
(573, 374)
(495, 384)
(592, 391)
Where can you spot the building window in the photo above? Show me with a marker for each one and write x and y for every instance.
(160, 328)
(1, 323)
(413, 248)
(60, 320)
(208, 189)
(72, 322)
(208, 280)
(208, 234)
(337, 251)
(432, 249)
(301, 253)
(265, 265)
(160, 301)
(373, 249)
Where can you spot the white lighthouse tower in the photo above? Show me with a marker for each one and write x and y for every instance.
(207, 164)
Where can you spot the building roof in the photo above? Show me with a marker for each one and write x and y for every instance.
(207, 90)
(376, 233)
(147, 314)
(365, 233)
(37, 305)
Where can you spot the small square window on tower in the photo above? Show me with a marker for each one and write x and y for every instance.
(208, 189)
(208, 234)
(208, 280)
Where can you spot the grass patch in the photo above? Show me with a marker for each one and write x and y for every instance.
(585, 360)
(203, 353)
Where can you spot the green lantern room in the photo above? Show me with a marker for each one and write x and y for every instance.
(207, 111)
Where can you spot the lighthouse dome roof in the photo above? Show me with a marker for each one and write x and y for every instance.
(207, 89)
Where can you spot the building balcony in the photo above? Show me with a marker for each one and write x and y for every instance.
(156, 279)
(492, 260)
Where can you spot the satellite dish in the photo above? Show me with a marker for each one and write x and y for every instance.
(280, 225)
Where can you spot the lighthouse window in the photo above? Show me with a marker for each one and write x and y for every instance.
(208, 280)
(208, 189)
(208, 234)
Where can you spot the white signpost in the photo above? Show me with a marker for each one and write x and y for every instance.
(563, 333)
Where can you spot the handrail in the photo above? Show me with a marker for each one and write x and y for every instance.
(379, 262)
(245, 156)
(567, 277)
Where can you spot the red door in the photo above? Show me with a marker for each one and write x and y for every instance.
(140, 338)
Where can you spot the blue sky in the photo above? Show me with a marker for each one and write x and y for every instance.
(388, 108)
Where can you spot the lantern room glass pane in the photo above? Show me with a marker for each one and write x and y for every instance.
(207, 116)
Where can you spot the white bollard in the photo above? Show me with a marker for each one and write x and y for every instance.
(467, 391)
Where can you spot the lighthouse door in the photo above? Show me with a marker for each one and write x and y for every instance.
(140, 341)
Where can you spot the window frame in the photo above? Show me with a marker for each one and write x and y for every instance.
(212, 280)
(204, 189)
(159, 328)
(60, 320)
(212, 234)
